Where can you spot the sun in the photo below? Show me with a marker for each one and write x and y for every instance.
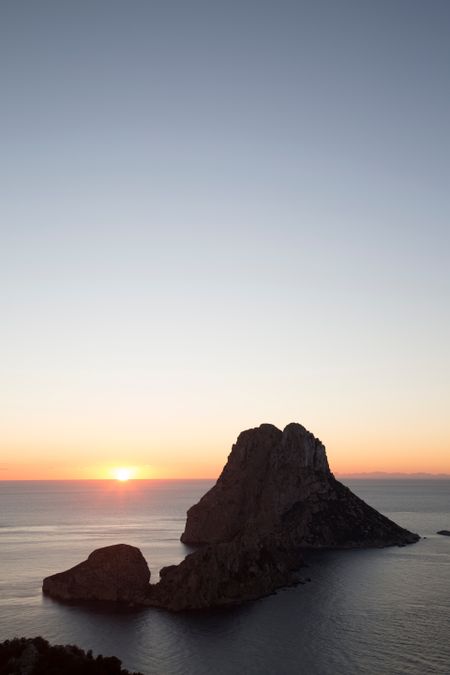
(122, 473)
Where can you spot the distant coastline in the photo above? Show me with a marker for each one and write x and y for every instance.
(384, 475)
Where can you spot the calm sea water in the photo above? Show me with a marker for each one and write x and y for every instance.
(373, 611)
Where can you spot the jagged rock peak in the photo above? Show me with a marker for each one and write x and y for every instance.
(310, 449)
(294, 441)
(278, 485)
(267, 471)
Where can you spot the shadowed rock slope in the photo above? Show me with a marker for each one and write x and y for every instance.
(275, 497)
(226, 573)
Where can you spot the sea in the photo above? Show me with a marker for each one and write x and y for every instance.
(374, 612)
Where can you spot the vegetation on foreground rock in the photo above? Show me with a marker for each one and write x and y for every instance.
(35, 656)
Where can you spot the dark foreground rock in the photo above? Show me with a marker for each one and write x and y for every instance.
(278, 485)
(116, 573)
(275, 498)
(35, 656)
(446, 533)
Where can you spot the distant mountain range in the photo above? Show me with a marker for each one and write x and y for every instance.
(386, 475)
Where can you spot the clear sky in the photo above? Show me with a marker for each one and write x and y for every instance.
(217, 214)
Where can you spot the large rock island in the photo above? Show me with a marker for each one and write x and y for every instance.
(276, 497)
(278, 484)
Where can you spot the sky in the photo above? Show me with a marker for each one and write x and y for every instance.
(219, 214)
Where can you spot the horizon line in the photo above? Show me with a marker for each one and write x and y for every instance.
(369, 475)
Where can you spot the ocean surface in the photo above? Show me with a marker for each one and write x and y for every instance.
(382, 611)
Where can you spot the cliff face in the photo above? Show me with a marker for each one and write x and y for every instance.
(278, 485)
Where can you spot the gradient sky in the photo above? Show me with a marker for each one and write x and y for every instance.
(217, 214)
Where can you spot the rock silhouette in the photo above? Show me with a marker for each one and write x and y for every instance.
(116, 573)
(278, 484)
(275, 497)
(223, 574)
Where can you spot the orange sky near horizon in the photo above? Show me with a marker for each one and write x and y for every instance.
(175, 458)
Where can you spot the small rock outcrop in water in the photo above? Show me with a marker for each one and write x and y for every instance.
(30, 656)
(446, 533)
(277, 484)
(116, 573)
(275, 497)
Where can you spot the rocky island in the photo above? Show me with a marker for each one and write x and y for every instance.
(275, 498)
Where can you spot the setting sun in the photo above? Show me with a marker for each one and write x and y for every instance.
(123, 473)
